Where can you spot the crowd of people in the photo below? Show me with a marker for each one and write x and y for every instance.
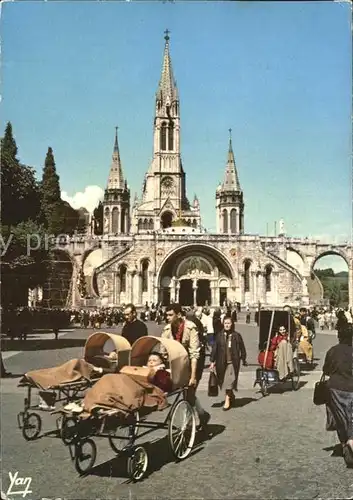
(204, 328)
(20, 322)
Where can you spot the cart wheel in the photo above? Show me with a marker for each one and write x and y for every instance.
(295, 374)
(137, 464)
(85, 455)
(182, 429)
(120, 437)
(32, 425)
(69, 429)
(263, 387)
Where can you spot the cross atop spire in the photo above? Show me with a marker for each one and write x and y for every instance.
(116, 178)
(167, 85)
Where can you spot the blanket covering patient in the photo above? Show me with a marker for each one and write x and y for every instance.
(126, 393)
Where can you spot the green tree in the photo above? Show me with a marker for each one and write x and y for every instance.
(50, 196)
(57, 215)
(64, 218)
(335, 294)
(324, 273)
(83, 220)
(98, 219)
(20, 199)
(21, 268)
(23, 263)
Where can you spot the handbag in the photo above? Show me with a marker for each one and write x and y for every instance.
(321, 392)
(213, 385)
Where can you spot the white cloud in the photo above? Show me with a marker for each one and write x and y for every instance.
(88, 199)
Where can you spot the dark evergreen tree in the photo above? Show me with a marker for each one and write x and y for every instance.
(52, 211)
(83, 220)
(98, 219)
(50, 180)
(23, 241)
(9, 143)
(57, 215)
(20, 200)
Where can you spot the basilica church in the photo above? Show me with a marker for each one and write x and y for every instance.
(154, 248)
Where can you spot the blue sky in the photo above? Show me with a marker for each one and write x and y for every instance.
(278, 74)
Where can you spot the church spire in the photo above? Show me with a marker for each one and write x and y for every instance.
(116, 178)
(231, 179)
(167, 89)
(229, 198)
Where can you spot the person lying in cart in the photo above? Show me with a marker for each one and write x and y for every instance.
(283, 353)
(159, 376)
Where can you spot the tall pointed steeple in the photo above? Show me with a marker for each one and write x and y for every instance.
(231, 179)
(165, 179)
(167, 89)
(164, 196)
(116, 203)
(229, 198)
(116, 178)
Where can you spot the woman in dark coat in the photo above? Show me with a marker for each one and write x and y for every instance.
(227, 352)
(338, 366)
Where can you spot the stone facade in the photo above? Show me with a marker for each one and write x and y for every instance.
(157, 250)
(150, 267)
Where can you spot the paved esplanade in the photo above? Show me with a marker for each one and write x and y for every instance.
(271, 447)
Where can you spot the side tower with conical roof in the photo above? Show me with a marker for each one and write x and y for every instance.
(229, 198)
(164, 201)
(116, 203)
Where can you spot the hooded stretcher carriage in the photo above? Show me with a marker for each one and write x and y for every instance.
(269, 323)
(69, 381)
(123, 427)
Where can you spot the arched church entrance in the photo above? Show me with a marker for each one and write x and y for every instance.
(186, 293)
(203, 294)
(195, 275)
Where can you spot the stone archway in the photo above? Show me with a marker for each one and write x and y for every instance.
(91, 261)
(197, 268)
(329, 279)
